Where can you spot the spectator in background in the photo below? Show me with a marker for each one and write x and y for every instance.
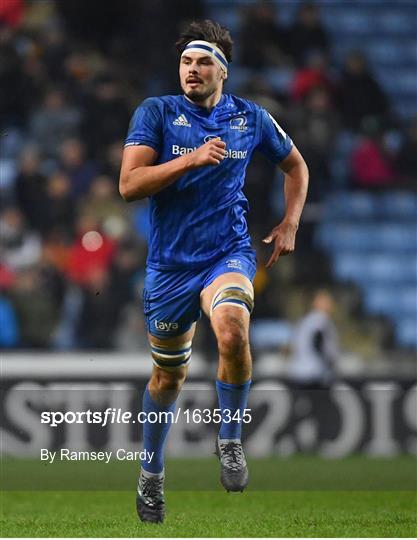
(13, 103)
(30, 187)
(154, 16)
(11, 12)
(307, 35)
(54, 122)
(90, 251)
(81, 65)
(315, 349)
(314, 125)
(260, 90)
(112, 159)
(59, 206)
(259, 186)
(313, 368)
(259, 181)
(407, 157)
(35, 78)
(103, 203)
(19, 246)
(359, 94)
(372, 160)
(313, 75)
(264, 42)
(100, 311)
(126, 268)
(55, 52)
(106, 115)
(53, 279)
(82, 23)
(76, 166)
(56, 249)
(35, 309)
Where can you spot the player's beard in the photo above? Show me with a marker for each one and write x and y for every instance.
(198, 96)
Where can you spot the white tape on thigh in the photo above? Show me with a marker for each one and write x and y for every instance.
(171, 357)
(233, 294)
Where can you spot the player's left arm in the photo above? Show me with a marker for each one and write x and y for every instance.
(295, 191)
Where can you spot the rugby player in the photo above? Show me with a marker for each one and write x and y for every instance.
(188, 153)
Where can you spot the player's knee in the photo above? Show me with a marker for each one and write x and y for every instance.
(232, 338)
(168, 381)
(165, 386)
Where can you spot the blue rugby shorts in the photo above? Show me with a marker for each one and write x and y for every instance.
(171, 298)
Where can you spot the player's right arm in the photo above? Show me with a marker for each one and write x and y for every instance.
(140, 177)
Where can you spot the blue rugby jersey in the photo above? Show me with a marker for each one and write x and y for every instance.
(201, 216)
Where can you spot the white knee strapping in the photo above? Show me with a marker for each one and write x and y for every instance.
(171, 357)
(233, 294)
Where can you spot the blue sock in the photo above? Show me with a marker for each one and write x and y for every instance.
(155, 434)
(233, 397)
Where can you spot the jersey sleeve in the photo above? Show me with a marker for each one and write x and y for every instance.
(145, 127)
(274, 143)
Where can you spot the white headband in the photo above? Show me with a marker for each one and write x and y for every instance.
(208, 48)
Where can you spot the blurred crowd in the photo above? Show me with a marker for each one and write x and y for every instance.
(72, 252)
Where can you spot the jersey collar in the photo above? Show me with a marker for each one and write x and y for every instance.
(202, 110)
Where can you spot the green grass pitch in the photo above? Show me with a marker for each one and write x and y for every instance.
(319, 506)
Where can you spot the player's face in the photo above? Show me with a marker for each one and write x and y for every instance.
(200, 76)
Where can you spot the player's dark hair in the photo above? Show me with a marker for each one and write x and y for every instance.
(208, 31)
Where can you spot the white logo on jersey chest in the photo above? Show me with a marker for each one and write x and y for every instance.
(181, 121)
(239, 123)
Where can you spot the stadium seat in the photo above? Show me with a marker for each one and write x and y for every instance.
(348, 205)
(345, 20)
(406, 108)
(398, 81)
(388, 52)
(8, 174)
(406, 332)
(396, 237)
(341, 237)
(371, 269)
(402, 51)
(396, 21)
(238, 77)
(396, 301)
(280, 79)
(399, 205)
(269, 333)
(226, 15)
(390, 267)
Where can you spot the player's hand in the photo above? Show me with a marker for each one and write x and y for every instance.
(283, 237)
(212, 152)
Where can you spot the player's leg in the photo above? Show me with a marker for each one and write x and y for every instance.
(228, 301)
(171, 357)
(171, 306)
